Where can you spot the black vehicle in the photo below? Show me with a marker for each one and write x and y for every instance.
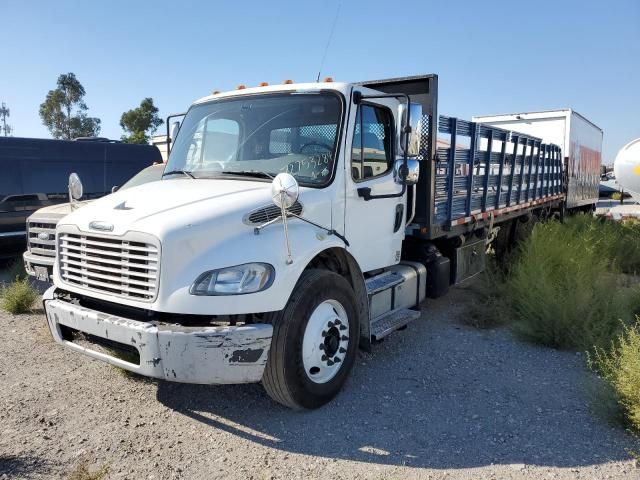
(35, 174)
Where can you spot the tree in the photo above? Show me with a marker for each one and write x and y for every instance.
(139, 123)
(63, 111)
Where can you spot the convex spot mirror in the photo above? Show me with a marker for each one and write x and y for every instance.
(415, 122)
(75, 187)
(412, 172)
(284, 190)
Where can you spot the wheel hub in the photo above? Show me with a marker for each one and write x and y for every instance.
(331, 342)
(326, 341)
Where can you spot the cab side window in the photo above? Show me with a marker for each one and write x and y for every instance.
(371, 150)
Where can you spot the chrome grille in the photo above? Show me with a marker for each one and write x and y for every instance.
(38, 244)
(268, 212)
(115, 266)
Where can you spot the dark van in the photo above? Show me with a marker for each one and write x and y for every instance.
(34, 173)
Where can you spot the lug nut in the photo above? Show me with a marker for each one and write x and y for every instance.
(323, 358)
(342, 327)
(321, 347)
(330, 362)
(342, 350)
(344, 338)
(336, 360)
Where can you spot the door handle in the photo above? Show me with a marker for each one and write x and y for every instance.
(398, 218)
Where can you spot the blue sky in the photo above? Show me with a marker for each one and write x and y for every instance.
(491, 56)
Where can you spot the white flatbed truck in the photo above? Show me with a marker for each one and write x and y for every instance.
(293, 224)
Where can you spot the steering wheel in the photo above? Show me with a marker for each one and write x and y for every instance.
(317, 144)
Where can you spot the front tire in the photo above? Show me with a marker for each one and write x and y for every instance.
(314, 342)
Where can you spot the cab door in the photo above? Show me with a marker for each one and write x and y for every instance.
(374, 227)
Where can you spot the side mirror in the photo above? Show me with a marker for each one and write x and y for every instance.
(175, 126)
(284, 190)
(75, 187)
(415, 123)
(411, 174)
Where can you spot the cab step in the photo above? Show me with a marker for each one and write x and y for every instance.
(382, 282)
(391, 321)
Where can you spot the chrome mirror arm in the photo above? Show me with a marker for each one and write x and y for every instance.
(283, 214)
(257, 229)
(328, 230)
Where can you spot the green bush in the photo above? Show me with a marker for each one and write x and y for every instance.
(622, 240)
(82, 471)
(564, 289)
(489, 309)
(620, 368)
(18, 297)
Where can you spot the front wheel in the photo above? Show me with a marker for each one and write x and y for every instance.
(314, 342)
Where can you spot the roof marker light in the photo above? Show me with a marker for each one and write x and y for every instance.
(328, 79)
(215, 92)
(287, 82)
(241, 87)
(264, 84)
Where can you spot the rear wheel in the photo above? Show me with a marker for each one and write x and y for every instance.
(314, 342)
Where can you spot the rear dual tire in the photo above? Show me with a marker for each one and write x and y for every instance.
(314, 342)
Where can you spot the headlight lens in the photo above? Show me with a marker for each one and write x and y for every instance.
(246, 278)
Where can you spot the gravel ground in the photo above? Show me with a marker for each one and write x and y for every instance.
(438, 400)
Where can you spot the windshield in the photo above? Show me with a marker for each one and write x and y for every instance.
(261, 136)
(148, 175)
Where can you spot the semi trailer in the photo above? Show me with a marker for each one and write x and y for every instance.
(294, 223)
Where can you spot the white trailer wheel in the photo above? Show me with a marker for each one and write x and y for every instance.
(326, 341)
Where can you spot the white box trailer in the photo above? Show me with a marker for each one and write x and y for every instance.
(579, 138)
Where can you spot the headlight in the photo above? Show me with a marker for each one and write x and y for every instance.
(246, 278)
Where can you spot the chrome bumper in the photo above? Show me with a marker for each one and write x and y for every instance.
(206, 355)
(37, 260)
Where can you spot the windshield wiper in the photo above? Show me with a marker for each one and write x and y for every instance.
(248, 173)
(184, 172)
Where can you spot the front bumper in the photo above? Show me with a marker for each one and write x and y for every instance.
(206, 355)
(38, 266)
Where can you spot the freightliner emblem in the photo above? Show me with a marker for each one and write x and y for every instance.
(102, 226)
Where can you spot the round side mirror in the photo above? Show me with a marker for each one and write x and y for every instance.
(75, 187)
(284, 190)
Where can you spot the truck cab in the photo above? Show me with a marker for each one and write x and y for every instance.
(284, 234)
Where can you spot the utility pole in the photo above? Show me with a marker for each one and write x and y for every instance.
(4, 113)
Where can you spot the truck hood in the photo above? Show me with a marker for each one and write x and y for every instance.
(157, 206)
(58, 210)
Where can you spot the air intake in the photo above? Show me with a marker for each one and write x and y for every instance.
(267, 213)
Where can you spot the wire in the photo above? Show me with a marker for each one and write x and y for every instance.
(326, 48)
